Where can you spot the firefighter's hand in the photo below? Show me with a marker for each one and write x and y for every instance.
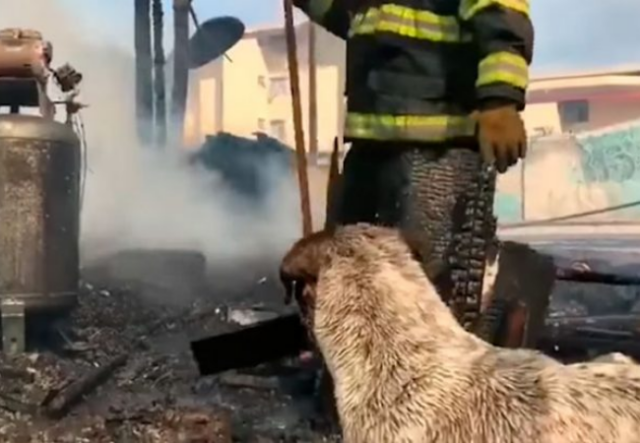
(502, 136)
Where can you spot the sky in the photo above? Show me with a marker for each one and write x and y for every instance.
(570, 34)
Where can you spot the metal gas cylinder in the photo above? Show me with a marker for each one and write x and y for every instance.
(40, 163)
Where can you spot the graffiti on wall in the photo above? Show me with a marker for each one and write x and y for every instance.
(591, 171)
(508, 207)
(612, 155)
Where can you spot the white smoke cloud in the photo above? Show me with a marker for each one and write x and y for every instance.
(144, 198)
(138, 198)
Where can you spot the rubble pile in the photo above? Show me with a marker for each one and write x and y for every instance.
(120, 370)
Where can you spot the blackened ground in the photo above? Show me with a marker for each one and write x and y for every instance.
(152, 392)
(132, 330)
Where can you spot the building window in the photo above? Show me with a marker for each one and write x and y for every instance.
(574, 112)
(278, 129)
(261, 124)
(278, 87)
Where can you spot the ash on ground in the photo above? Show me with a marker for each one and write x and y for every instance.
(120, 370)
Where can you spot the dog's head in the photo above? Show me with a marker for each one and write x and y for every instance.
(362, 245)
(300, 270)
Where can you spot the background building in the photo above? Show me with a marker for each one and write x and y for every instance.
(250, 90)
(582, 101)
(570, 168)
(584, 148)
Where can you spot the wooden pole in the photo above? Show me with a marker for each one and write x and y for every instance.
(294, 83)
(313, 95)
(332, 186)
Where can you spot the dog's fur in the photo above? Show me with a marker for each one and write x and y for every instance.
(614, 357)
(405, 371)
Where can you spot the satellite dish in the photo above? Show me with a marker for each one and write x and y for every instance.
(213, 38)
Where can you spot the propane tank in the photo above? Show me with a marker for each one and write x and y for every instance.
(40, 163)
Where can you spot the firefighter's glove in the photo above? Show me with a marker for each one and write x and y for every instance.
(502, 136)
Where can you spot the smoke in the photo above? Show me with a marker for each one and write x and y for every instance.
(144, 198)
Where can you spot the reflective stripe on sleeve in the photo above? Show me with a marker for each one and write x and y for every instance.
(469, 8)
(409, 127)
(503, 67)
(407, 22)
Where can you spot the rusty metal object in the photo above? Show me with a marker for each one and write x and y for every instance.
(39, 212)
(515, 312)
(25, 59)
(24, 54)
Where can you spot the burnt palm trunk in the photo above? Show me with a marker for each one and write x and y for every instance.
(180, 65)
(160, 105)
(144, 65)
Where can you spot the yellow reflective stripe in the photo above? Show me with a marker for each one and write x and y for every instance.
(469, 8)
(317, 9)
(408, 127)
(412, 23)
(503, 67)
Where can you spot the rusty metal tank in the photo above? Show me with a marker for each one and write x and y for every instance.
(40, 163)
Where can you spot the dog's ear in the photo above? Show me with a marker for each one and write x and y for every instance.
(301, 266)
(289, 289)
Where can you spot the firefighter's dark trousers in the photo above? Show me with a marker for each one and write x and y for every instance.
(434, 191)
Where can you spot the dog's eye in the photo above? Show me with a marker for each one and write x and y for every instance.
(299, 292)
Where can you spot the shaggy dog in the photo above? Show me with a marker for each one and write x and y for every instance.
(405, 371)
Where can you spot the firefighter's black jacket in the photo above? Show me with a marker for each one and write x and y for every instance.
(417, 69)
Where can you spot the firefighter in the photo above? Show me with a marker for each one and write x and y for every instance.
(434, 89)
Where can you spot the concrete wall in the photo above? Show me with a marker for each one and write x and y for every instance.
(565, 175)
